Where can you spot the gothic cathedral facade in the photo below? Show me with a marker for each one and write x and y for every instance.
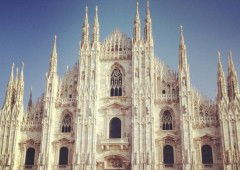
(121, 108)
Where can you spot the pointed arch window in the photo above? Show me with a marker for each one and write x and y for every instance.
(115, 128)
(167, 120)
(168, 155)
(67, 123)
(116, 83)
(207, 156)
(30, 156)
(63, 156)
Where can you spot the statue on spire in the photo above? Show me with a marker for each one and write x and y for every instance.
(85, 31)
(53, 58)
(233, 88)
(221, 83)
(137, 26)
(148, 27)
(95, 37)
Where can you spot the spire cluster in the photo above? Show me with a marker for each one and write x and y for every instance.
(148, 39)
(85, 43)
(231, 91)
(15, 88)
(221, 82)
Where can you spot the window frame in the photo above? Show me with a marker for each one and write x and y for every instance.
(167, 152)
(59, 156)
(32, 159)
(203, 159)
(67, 127)
(110, 130)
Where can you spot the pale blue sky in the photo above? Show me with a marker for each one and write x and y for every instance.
(27, 28)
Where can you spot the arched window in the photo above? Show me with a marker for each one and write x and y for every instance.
(116, 83)
(115, 128)
(168, 155)
(207, 157)
(30, 155)
(163, 92)
(67, 123)
(167, 121)
(63, 156)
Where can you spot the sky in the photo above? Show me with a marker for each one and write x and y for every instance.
(27, 29)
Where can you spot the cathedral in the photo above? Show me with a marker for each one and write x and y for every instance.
(121, 108)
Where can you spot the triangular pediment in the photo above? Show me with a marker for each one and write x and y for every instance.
(206, 137)
(63, 141)
(170, 136)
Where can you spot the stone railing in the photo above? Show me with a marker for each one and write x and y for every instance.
(106, 144)
(166, 97)
(30, 167)
(66, 102)
(205, 121)
(125, 54)
(31, 125)
(63, 167)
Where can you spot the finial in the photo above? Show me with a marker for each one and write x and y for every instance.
(181, 28)
(22, 65)
(55, 44)
(96, 9)
(21, 76)
(96, 16)
(137, 11)
(13, 66)
(12, 70)
(219, 61)
(230, 54)
(219, 55)
(181, 35)
(231, 67)
(86, 13)
(17, 73)
(230, 58)
(86, 17)
(67, 69)
(148, 10)
(55, 39)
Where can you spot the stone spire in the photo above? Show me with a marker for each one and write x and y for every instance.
(16, 79)
(85, 31)
(30, 101)
(53, 58)
(184, 75)
(221, 82)
(10, 88)
(232, 81)
(95, 37)
(183, 63)
(137, 26)
(21, 79)
(148, 27)
(20, 86)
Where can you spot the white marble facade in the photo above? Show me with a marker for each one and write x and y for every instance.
(121, 108)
